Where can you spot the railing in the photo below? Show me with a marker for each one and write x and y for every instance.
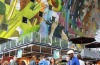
(35, 38)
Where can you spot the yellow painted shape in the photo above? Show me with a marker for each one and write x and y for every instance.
(14, 18)
(12, 7)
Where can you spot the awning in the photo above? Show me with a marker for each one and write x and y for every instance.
(82, 40)
(93, 45)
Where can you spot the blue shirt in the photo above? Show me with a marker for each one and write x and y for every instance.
(32, 62)
(44, 62)
(74, 61)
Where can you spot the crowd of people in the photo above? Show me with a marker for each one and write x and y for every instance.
(70, 60)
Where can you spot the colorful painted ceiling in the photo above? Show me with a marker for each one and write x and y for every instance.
(58, 18)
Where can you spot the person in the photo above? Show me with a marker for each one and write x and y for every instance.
(67, 59)
(47, 59)
(43, 61)
(23, 63)
(33, 61)
(52, 61)
(73, 60)
(80, 60)
(5, 63)
(37, 60)
(13, 61)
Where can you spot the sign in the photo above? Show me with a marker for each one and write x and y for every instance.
(19, 53)
(56, 54)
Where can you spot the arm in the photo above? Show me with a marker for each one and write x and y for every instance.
(83, 63)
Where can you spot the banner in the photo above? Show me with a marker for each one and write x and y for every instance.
(56, 54)
(19, 53)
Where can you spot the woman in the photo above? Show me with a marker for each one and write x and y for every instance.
(52, 61)
(80, 59)
(23, 63)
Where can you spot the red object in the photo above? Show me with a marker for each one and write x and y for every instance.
(71, 31)
(6, 58)
(62, 20)
(79, 24)
(54, 3)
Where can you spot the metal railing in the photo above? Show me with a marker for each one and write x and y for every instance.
(34, 37)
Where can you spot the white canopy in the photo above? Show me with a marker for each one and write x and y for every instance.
(90, 53)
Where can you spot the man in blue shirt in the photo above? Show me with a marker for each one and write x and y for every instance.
(33, 60)
(73, 60)
(43, 61)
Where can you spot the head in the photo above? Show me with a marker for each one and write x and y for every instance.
(70, 53)
(79, 56)
(47, 59)
(52, 60)
(15, 58)
(23, 63)
(42, 56)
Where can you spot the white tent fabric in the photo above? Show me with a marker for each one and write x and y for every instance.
(90, 53)
(97, 37)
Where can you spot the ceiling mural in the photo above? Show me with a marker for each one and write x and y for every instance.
(59, 18)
